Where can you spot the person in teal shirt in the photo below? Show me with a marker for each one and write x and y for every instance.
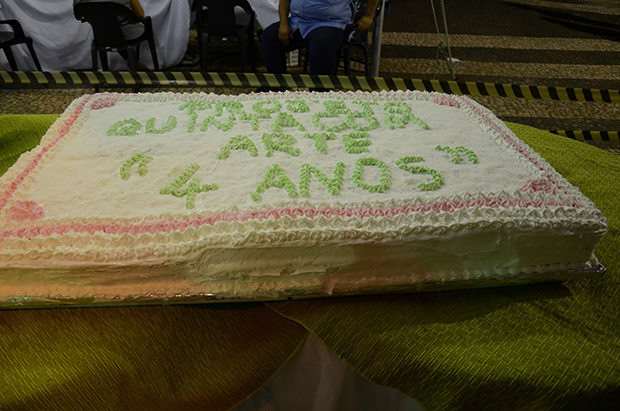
(316, 24)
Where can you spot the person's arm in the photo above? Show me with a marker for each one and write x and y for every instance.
(285, 35)
(137, 8)
(364, 23)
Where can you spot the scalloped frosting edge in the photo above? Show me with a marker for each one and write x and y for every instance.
(315, 222)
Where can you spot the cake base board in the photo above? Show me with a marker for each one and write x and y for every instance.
(205, 297)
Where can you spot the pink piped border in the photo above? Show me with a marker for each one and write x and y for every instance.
(66, 127)
(181, 225)
(293, 212)
(25, 211)
(516, 146)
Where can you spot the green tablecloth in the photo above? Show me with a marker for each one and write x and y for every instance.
(542, 347)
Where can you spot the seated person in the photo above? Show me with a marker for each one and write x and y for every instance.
(316, 24)
(130, 30)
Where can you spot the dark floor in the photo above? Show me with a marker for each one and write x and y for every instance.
(560, 43)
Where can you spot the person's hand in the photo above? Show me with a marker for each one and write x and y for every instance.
(364, 23)
(284, 34)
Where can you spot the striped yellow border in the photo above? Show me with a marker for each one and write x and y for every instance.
(33, 79)
(583, 135)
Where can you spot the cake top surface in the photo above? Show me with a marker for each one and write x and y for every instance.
(136, 163)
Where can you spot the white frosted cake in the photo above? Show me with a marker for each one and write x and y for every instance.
(161, 196)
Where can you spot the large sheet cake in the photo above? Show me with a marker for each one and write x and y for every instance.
(157, 197)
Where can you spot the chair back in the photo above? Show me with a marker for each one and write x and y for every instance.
(16, 30)
(359, 9)
(217, 17)
(103, 17)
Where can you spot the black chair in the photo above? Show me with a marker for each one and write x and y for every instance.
(103, 17)
(13, 37)
(356, 40)
(216, 21)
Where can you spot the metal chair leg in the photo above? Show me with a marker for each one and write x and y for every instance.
(346, 55)
(10, 58)
(132, 56)
(154, 53)
(104, 60)
(306, 60)
(203, 53)
(93, 53)
(33, 54)
(242, 52)
(251, 42)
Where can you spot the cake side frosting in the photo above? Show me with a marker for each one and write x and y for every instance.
(150, 180)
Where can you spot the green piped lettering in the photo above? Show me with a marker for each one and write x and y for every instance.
(142, 161)
(233, 107)
(403, 164)
(280, 142)
(170, 124)
(367, 114)
(286, 120)
(260, 108)
(333, 109)
(275, 177)
(193, 188)
(238, 143)
(220, 125)
(385, 181)
(455, 157)
(320, 140)
(399, 115)
(190, 109)
(128, 127)
(297, 106)
(333, 185)
(356, 143)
